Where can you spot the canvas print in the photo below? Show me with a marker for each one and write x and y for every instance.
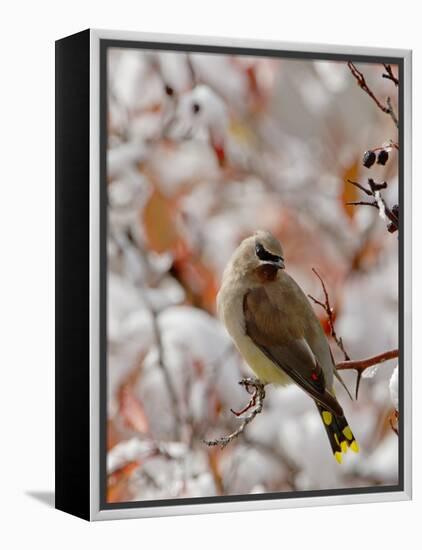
(252, 286)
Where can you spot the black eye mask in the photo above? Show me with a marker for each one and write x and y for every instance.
(266, 256)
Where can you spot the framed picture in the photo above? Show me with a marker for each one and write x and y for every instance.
(233, 275)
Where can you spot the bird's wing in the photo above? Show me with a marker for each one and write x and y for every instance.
(280, 336)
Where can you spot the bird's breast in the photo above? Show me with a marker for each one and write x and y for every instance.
(230, 308)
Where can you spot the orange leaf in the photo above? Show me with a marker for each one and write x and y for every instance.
(367, 255)
(159, 222)
(214, 455)
(113, 435)
(131, 410)
(349, 192)
(118, 489)
(199, 282)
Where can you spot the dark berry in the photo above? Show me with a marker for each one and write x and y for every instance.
(382, 157)
(169, 90)
(196, 108)
(369, 158)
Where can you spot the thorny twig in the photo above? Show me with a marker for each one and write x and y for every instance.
(255, 403)
(390, 75)
(373, 190)
(329, 311)
(360, 79)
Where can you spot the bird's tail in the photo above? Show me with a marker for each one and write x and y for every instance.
(339, 433)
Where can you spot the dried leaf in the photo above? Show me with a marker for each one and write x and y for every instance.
(113, 434)
(159, 223)
(214, 455)
(366, 255)
(118, 482)
(131, 410)
(198, 281)
(349, 192)
(394, 421)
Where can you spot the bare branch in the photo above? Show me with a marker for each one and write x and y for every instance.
(363, 364)
(329, 311)
(255, 403)
(361, 187)
(391, 112)
(360, 79)
(390, 75)
(362, 203)
(391, 143)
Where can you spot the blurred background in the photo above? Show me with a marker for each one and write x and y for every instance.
(202, 151)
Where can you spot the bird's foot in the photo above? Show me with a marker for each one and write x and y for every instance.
(255, 388)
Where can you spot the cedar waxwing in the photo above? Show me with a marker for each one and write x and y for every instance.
(277, 332)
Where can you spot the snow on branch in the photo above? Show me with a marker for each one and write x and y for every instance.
(386, 213)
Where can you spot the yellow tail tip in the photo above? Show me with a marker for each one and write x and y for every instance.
(354, 446)
(338, 456)
(344, 446)
(348, 433)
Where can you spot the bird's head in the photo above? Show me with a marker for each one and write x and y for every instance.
(259, 256)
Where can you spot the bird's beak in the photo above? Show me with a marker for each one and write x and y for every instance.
(279, 263)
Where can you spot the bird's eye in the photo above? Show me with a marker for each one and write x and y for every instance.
(196, 108)
(259, 249)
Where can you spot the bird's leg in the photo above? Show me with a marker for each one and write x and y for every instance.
(248, 384)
